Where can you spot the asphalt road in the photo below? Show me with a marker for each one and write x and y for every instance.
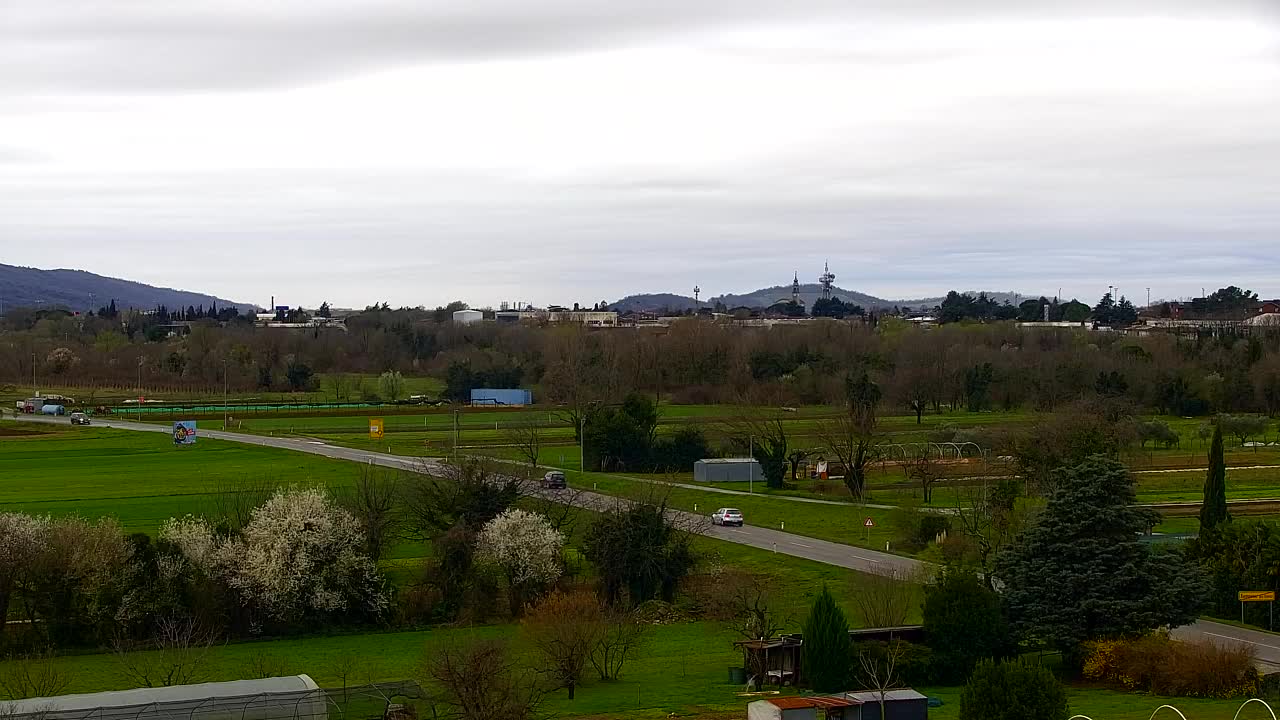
(823, 551)
(1266, 646)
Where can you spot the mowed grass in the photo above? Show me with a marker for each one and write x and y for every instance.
(141, 479)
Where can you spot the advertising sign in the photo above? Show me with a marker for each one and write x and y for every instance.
(375, 428)
(184, 432)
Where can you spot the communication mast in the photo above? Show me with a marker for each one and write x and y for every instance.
(826, 279)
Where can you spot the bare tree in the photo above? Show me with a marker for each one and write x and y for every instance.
(263, 664)
(884, 601)
(341, 386)
(374, 501)
(927, 469)
(345, 667)
(479, 680)
(566, 630)
(795, 457)
(881, 672)
(526, 435)
(854, 448)
(989, 518)
(32, 675)
(621, 637)
(176, 655)
(234, 500)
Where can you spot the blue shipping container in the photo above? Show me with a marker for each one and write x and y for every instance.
(492, 396)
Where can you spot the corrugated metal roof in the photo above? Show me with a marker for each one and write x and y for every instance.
(873, 696)
(811, 701)
(721, 461)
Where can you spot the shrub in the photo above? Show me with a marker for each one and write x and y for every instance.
(1012, 690)
(1158, 664)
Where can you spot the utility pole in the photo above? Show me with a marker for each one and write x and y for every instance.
(751, 466)
(455, 436)
(35, 391)
(224, 393)
(582, 447)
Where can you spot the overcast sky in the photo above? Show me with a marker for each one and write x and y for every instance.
(560, 150)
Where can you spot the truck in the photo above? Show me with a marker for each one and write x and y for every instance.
(30, 405)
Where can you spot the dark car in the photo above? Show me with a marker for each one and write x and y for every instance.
(554, 480)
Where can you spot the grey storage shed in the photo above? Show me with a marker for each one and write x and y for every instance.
(727, 470)
(905, 704)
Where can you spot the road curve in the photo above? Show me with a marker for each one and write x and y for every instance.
(823, 551)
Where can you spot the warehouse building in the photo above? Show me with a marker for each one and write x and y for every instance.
(467, 317)
(710, 470)
(501, 396)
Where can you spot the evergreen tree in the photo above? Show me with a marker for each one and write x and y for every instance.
(1213, 512)
(827, 653)
(964, 624)
(1082, 572)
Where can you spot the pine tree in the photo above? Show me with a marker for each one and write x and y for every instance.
(1213, 512)
(1082, 571)
(827, 653)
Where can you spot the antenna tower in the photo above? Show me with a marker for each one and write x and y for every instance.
(826, 279)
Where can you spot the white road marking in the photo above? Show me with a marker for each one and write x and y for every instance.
(1241, 640)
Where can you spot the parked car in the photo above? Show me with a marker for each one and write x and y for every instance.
(79, 418)
(727, 516)
(554, 480)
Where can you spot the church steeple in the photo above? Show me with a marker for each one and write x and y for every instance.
(795, 288)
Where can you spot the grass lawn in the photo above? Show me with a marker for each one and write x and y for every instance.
(140, 478)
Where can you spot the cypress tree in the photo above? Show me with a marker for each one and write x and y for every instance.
(827, 653)
(1213, 512)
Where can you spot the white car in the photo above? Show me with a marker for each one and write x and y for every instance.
(727, 516)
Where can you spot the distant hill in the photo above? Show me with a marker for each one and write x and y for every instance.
(809, 292)
(80, 290)
(765, 297)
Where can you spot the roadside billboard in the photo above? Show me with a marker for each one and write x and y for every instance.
(184, 432)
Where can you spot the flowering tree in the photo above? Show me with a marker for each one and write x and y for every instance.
(300, 555)
(22, 539)
(526, 548)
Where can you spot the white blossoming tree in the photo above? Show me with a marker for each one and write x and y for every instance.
(22, 539)
(300, 556)
(526, 548)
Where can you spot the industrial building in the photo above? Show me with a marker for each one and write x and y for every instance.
(710, 470)
(467, 317)
(501, 396)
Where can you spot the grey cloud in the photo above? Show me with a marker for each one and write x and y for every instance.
(150, 46)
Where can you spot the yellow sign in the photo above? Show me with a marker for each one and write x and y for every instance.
(1257, 596)
(375, 428)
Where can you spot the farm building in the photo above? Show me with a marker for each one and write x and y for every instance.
(727, 470)
(467, 317)
(501, 396)
(898, 705)
(814, 707)
(904, 704)
(281, 698)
